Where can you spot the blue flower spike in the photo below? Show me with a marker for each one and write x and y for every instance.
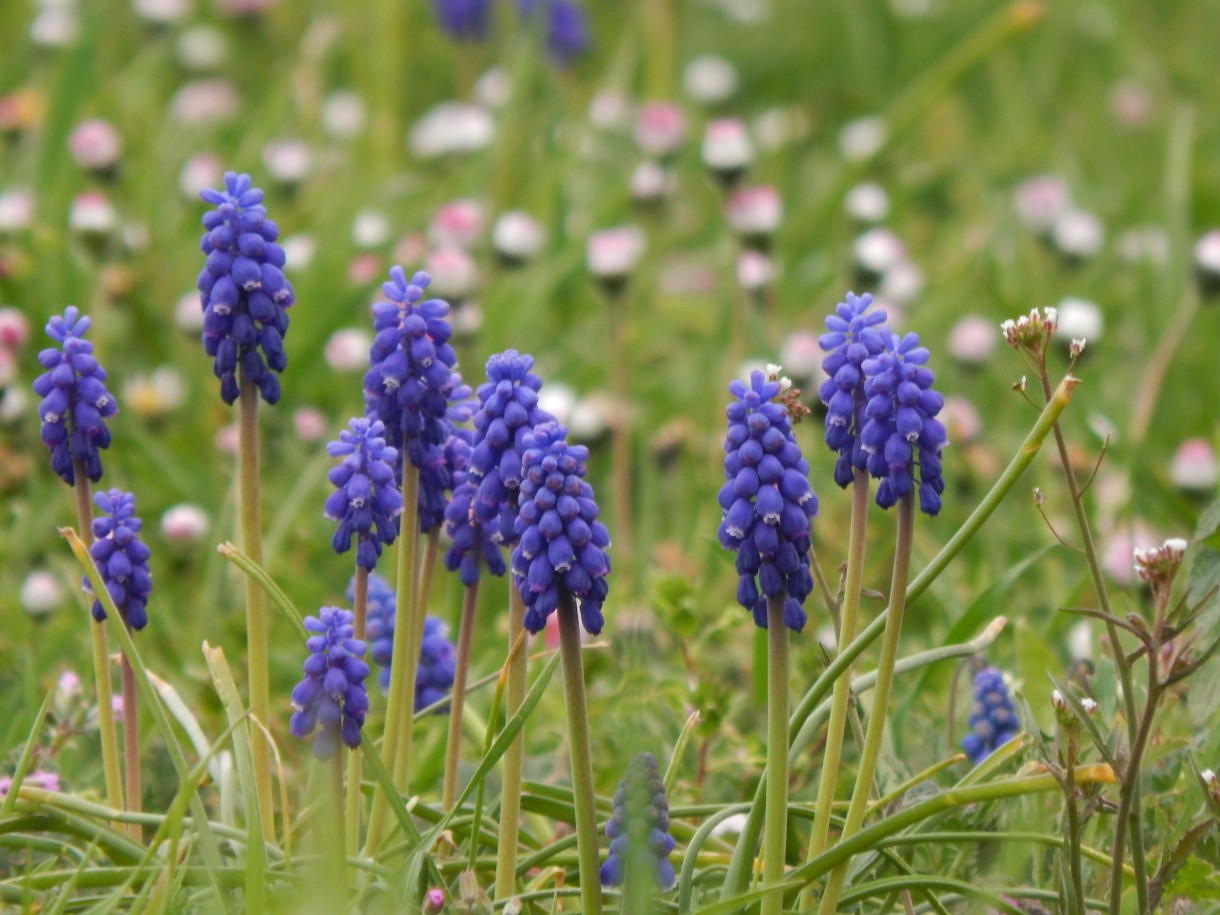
(993, 720)
(902, 437)
(853, 334)
(766, 501)
(366, 500)
(562, 544)
(121, 557)
(640, 820)
(75, 403)
(243, 291)
(463, 20)
(331, 699)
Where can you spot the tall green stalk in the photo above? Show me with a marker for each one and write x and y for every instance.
(256, 606)
(111, 769)
(401, 702)
(583, 798)
(881, 697)
(510, 766)
(849, 612)
(775, 832)
(351, 819)
(458, 702)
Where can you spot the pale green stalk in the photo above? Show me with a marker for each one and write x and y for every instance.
(776, 831)
(881, 697)
(583, 798)
(832, 755)
(510, 777)
(111, 770)
(458, 701)
(401, 702)
(256, 606)
(131, 743)
(360, 609)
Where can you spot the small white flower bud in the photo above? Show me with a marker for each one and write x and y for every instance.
(41, 593)
(184, 523)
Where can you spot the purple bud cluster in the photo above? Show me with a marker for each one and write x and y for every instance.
(366, 499)
(562, 544)
(901, 431)
(331, 697)
(75, 402)
(446, 465)
(567, 33)
(482, 514)
(437, 657)
(121, 558)
(640, 814)
(853, 335)
(243, 290)
(993, 720)
(766, 503)
(463, 20)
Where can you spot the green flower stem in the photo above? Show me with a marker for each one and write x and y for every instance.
(510, 771)
(738, 871)
(462, 665)
(832, 755)
(111, 769)
(881, 696)
(581, 756)
(401, 701)
(131, 743)
(256, 605)
(1129, 812)
(1072, 843)
(427, 569)
(776, 833)
(1131, 713)
(351, 818)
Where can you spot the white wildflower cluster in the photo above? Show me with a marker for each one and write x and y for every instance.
(1031, 331)
(1162, 562)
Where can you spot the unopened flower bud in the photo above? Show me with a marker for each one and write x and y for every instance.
(875, 253)
(862, 138)
(434, 901)
(613, 254)
(455, 275)
(184, 523)
(754, 213)
(1078, 320)
(650, 182)
(1194, 468)
(41, 593)
(1207, 262)
(727, 149)
(1040, 201)
(660, 128)
(709, 79)
(457, 223)
(347, 350)
(517, 237)
(1077, 235)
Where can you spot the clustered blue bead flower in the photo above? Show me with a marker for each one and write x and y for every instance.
(463, 20)
(437, 664)
(243, 290)
(902, 431)
(993, 720)
(75, 402)
(766, 503)
(483, 512)
(366, 499)
(567, 33)
(640, 814)
(853, 335)
(437, 657)
(331, 697)
(121, 558)
(562, 544)
(445, 465)
(380, 607)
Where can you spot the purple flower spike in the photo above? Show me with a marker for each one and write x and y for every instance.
(993, 720)
(853, 335)
(463, 20)
(121, 557)
(567, 32)
(366, 500)
(331, 698)
(766, 501)
(437, 658)
(640, 816)
(75, 402)
(901, 431)
(562, 545)
(243, 290)
(482, 514)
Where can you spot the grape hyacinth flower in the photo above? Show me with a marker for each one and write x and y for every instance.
(332, 693)
(641, 814)
(75, 402)
(562, 544)
(434, 676)
(766, 500)
(366, 500)
(901, 431)
(463, 20)
(567, 33)
(121, 558)
(853, 335)
(993, 720)
(243, 290)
